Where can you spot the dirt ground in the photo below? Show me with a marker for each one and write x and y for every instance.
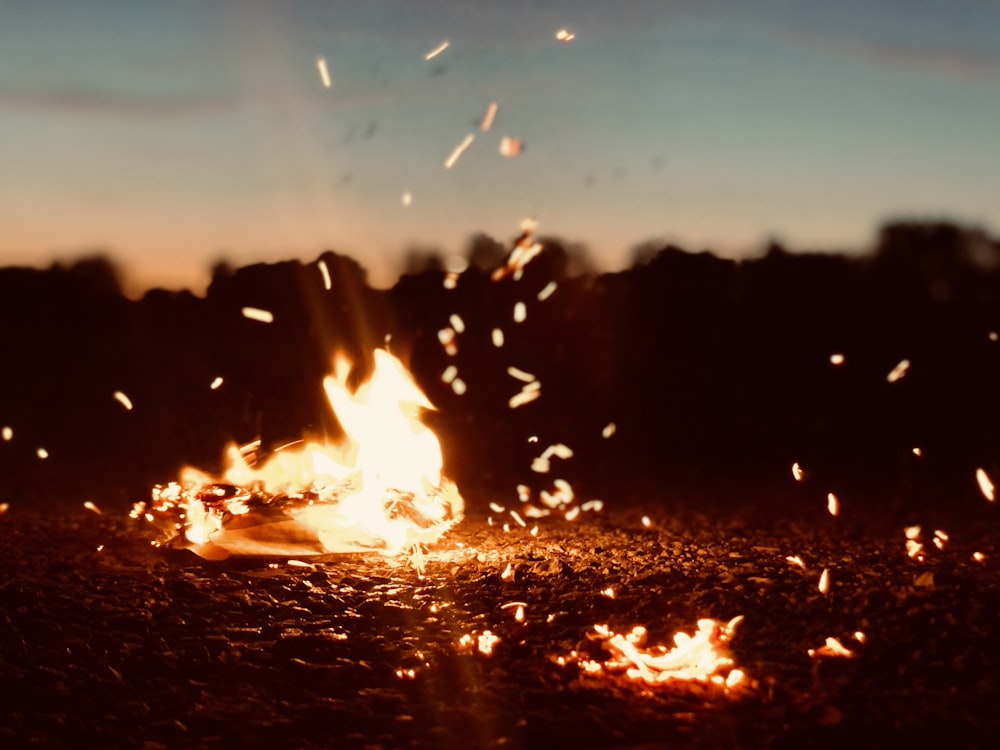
(106, 641)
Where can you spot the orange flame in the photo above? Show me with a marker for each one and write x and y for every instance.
(381, 488)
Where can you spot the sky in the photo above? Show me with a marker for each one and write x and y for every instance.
(175, 134)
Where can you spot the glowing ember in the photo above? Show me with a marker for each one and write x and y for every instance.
(4, 507)
(836, 359)
(491, 113)
(994, 336)
(703, 657)
(325, 273)
(497, 336)
(978, 557)
(564, 35)
(324, 72)
(92, 508)
(437, 50)
(510, 147)
(832, 647)
(255, 313)
(124, 400)
(917, 452)
(985, 485)
(407, 198)
(832, 504)
(898, 371)
(796, 560)
(520, 312)
(547, 291)
(459, 387)
(459, 150)
(217, 383)
(483, 643)
(608, 592)
(647, 522)
(940, 538)
(42, 453)
(797, 472)
(7, 433)
(609, 429)
(824, 581)
(379, 489)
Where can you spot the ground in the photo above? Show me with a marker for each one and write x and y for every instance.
(106, 641)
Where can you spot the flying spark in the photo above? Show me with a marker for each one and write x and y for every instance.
(255, 313)
(458, 386)
(42, 453)
(824, 581)
(898, 371)
(459, 150)
(520, 312)
(325, 273)
(7, 433)
(407, 198)
(646, 522)
(491, 113)
(124, 400)
(547, 291)
(797, 472)
(437, 50)
(515, 372)
(985, 485)
(497, 336)
(832, 504)
(836, 359)
(449, 374)
(609, 429)
(92, 508)
(565, 35)
(217, 383)
(324, 72)
(457, 323)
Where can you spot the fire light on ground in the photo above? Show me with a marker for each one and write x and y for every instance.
(702, 657)
(379, 489)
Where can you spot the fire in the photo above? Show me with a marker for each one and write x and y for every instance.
(380, 488)
(703, 657)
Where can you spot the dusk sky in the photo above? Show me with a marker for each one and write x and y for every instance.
(170, 135)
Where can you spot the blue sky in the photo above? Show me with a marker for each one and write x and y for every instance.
(174, 134)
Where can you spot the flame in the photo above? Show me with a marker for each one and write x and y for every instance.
(702, 657)
(381, 488)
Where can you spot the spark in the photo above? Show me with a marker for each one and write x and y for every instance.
(301, 564)
(832, 504)
(797, 472)
(100, 548)
(917, 452)
(547, 291)
(449, 374)
(407, 198)
(510, 147)
(940, 538)
(833, 647)
(124, 400)
(406, 674)
(609, 429)
(572, 513)
(977, 556)
(450, 280)
(7, 433)
(836, 359)
(985, 485)
(255, 313)
(217, 383)
(497, 338)
(457, 323)
(565, 35)
(533, 439)
(459, 387)
(824, 581)
(42, 453)
(796, 560)
(523, 493)
(437, 50)
(523, 397)
(517, 517)
(508, 573)
(447, 338)
(595, 505)
(608, 592)
(497, 507)
(459, 150)
(520, 374)
(647, 522)
(534, 531)
(859, 636)
(520, 312)
(324, 72)
(898, 371)
(993, 336)
(325, 273)
(911, 532)
(92, 508)
(491, 112)
(4, 507)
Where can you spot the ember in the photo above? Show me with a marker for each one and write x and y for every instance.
(380, 489)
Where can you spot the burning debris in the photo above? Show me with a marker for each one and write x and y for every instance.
(703, 657)
(380, 489)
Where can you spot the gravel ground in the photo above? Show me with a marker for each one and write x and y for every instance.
(106, 641)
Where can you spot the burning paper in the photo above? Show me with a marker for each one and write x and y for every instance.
(702, 657)
(379, 489)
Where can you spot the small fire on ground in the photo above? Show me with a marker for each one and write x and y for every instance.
(702, 657)
(379, 489)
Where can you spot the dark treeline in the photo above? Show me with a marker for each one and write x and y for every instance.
(715, 373)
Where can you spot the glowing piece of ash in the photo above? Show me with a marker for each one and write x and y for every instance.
(832, 647)
(491, 113)
(458, 151)
(324, 72)
(703, 657)
(437, 50)
(124, 400)
(836, 359)
(379, 489)
(797, 472)
(832, 504)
